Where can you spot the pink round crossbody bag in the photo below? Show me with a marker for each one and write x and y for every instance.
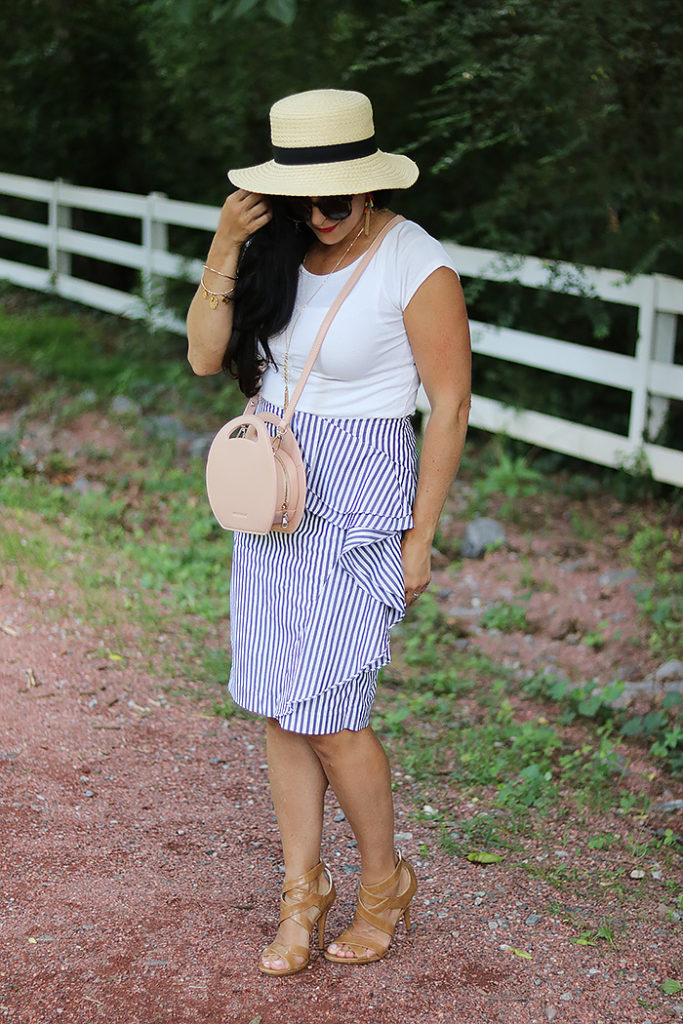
(255, 479)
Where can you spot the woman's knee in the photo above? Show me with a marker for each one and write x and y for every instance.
(276, 735)
(330, 747)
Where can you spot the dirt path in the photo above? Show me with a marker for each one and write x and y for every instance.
(140, 876)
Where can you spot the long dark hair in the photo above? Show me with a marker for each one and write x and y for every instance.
(265, 291)
(264, 294)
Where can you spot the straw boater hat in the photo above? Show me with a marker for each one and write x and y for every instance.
(324, 145)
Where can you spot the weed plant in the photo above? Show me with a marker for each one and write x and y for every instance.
(506, 617)
(658, 556)
(511, 478)
(659, 729)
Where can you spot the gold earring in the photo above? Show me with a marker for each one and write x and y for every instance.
(369, 207)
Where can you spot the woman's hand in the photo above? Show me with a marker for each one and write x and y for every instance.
(417, 560)
(209, 324)
(242, 214)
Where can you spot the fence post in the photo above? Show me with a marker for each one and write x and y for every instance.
(59, 216)
(643, 356)
(663, 349)
(154, 237)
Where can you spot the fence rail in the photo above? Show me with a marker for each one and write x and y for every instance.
(650, 376)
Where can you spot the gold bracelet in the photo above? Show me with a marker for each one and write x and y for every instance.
(213, 297)
(219, 272)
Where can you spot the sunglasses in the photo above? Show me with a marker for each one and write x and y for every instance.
(332, 207)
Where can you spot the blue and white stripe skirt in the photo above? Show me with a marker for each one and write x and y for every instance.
(310, 612)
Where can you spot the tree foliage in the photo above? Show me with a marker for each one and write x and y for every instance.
(555, 127)
(73, 96)
(550, 128)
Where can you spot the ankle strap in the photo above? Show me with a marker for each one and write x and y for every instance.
(302, 880)
(379, 887)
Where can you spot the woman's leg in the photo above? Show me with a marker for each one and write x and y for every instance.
(297, 785)
(358, 771)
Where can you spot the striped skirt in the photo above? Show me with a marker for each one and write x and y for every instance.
(310, 612)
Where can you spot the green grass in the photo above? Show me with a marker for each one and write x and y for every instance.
(58, 359)
(533, 755)
(146, 548)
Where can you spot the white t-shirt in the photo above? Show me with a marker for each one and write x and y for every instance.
(365, 367)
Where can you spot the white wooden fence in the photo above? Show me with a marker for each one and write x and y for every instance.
(650, 375)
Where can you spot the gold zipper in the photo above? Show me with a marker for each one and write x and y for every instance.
(285, 504)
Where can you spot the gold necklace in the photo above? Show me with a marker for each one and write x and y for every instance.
(292, 326)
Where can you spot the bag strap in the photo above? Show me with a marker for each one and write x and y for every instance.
(329, 317)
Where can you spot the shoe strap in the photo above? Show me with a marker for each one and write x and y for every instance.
(304, 880)
(348, 938)
(371, 912)
(375, 920)
(296, 909)
(286, 953)
(378, 888)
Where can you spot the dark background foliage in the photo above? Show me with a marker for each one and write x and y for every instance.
(550, 128)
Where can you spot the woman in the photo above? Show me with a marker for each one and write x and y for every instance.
(311, 611)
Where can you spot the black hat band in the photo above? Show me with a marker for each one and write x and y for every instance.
(325, 154)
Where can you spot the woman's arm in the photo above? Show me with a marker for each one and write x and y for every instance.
(209, 329)
(436, 322)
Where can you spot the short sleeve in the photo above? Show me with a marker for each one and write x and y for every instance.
(415, 256)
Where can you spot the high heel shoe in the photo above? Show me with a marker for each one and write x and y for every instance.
(372, 904)
(296, 901)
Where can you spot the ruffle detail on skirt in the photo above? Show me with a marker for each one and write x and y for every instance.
(360, 473)
(360, 478)
(365, 492)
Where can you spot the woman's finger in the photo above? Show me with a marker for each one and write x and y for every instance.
(253, 199)
(260, 210)
(259, 221)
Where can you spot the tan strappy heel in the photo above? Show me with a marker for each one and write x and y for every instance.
(295, 902)
(372, 904)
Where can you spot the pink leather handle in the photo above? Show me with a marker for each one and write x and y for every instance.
(329, 317)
